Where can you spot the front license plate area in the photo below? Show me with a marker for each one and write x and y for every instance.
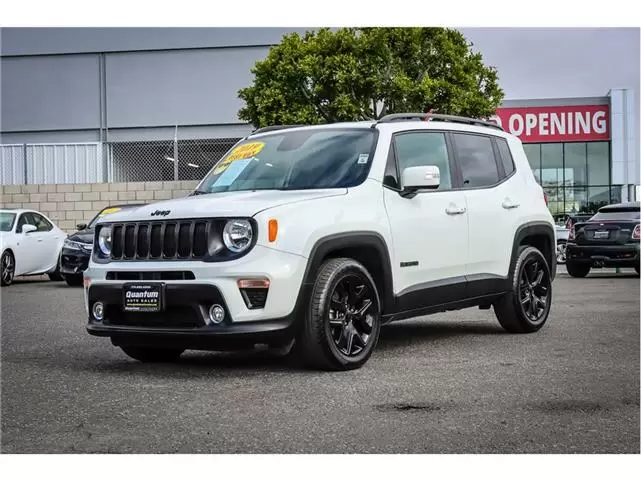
(601, 234)
(143, 297)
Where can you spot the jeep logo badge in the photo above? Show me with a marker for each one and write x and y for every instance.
(161, 213)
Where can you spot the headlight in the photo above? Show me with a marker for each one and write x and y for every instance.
(104, 240)
(237, 235)
(72, 245)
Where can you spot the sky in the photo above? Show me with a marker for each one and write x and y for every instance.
(558, 63)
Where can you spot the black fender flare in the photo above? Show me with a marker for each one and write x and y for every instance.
(536, 228)
(326, 245)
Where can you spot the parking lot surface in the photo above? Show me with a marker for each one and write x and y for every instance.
(448, 383)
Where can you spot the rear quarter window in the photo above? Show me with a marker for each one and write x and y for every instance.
(506, 156)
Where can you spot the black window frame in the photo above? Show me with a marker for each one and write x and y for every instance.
(502, 178)
(392, 156)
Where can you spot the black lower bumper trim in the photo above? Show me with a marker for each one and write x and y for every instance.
(182, 324)
(204, 338)
(603, 255)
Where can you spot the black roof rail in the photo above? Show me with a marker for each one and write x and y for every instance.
(436, 116)
(273, 128)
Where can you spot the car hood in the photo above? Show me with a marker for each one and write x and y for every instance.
(82, 236)
(226, 204)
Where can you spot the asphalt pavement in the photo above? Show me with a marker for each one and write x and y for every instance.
(448, 383)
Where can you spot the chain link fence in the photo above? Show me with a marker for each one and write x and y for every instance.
(164, 160)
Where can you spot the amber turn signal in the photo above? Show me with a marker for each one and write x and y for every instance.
(253, 283)
(272, 230)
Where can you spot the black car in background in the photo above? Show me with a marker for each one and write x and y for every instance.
(76, 250)
(575, 218)
(608, 239)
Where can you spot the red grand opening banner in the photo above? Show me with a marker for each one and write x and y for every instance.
(578, 123)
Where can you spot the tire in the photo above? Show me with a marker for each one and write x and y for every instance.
(526, 308)
(73, 280)
(56, 276)
(560, 252)
(341, 327)
(152, 355)
(578, 270)
(7, 268)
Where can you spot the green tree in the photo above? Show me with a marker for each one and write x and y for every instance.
(364, 73)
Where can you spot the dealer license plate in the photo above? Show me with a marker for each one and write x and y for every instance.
(143, 297)
(601, 234)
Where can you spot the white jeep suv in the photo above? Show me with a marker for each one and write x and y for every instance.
(310, 238)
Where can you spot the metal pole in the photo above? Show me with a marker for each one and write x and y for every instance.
(24, 155)
(176, 154)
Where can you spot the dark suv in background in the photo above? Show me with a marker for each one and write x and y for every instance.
(76, 249)
(608, 239)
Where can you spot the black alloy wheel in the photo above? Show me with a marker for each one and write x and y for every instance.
(7, 269)
(351, 314)
(534, 287)
(343, 322)
(526, 307)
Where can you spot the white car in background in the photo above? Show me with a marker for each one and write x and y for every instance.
(30, 244)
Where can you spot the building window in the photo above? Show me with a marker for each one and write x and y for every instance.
(598, 156)
(575, 168)
(552, 165)
(575, 176)
(533, 154)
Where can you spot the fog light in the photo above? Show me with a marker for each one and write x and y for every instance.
(98, 311)
(216, 314)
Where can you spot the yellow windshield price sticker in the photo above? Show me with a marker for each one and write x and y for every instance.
(107, 211)
(241, 152)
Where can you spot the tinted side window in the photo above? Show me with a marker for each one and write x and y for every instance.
(25, 219)
(41, 222)
(423, 149)
(476, 160)
(506, 156)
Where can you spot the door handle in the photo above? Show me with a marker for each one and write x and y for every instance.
(508, 204)
(39, 240)
(454, 210)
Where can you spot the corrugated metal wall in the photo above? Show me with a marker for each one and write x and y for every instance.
(51, 163)
(12, 165)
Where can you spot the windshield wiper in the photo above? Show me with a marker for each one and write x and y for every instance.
(197, 192)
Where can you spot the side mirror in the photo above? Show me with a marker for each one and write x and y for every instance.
(420, 178)
(26, 228)
(81, 226)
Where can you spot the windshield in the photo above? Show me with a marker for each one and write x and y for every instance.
(108, 211)
(295, 160)
(6, 221)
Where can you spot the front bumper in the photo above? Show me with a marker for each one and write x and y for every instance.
(604, 255)
(73, 262)
(184, 321)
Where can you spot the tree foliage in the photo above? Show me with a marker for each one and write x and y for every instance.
(364, 73)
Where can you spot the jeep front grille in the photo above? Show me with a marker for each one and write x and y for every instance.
(164, 240)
